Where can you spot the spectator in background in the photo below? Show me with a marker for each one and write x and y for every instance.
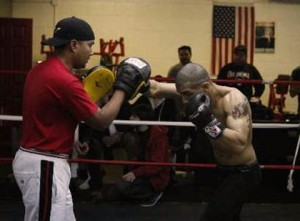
(96, 145)
(239, 69)
(164, 109)
(149, 144)
(90, 145)
(295, 89)
(184, 54)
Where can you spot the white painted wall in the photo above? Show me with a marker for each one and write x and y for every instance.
(154, 29)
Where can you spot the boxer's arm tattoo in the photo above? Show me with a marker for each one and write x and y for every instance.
(241, 109)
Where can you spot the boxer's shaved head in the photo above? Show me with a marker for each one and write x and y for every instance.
(190, 76)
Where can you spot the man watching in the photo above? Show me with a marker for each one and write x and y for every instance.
(239, 69)
(184, 54)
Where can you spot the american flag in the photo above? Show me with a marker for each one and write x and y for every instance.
(232, 25)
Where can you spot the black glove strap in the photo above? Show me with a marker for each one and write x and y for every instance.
(214, 129)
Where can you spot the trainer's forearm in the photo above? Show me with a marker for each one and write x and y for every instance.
(104, 116)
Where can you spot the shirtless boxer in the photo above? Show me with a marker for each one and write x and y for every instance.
(54, 102)
(225, 116)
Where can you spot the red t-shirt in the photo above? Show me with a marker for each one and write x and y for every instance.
(54, 102)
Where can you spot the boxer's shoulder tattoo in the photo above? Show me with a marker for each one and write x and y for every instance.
(241, 109)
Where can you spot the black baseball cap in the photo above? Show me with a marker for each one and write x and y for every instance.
(68, 29)
(240, 48)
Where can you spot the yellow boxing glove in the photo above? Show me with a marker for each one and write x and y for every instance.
(98, 81)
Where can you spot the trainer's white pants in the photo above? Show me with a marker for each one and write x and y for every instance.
(27, 171)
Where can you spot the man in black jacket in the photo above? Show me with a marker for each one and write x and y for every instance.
(239, 69)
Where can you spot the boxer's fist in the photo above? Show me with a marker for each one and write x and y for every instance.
(133, 76)
(198, 111)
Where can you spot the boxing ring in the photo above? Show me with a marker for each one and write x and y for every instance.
(292, 168)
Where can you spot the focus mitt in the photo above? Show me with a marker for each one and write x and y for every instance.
(133, 76)
(98, 81)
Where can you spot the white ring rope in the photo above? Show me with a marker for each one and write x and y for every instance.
(172, 123)
(290, 184)
(189, 124)
(11, 117)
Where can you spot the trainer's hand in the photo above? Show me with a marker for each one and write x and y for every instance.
(255, 100)
(129, 177)
(112, 139)
(133, 76)
(198, 110)
(82, 148)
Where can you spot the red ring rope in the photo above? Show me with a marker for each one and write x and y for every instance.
(163, 164)
(13, 72)
(197, 165)
(172, 79)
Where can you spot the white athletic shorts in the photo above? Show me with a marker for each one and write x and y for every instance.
(44, 183)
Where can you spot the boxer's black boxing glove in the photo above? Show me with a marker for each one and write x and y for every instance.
(198, 111)
(132, 76)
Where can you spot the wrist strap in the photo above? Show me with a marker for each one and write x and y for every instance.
(214, 129)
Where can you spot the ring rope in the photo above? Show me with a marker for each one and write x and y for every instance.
(173, 123)
(290, 185)
(13, 72)
(189, 124)
(258, 82)
(292, 167)
(172, 79)
(282, 82)
(162, 164)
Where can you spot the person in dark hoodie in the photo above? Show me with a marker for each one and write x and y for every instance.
(239, 69)
(144, 183)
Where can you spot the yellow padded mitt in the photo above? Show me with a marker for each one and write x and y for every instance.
(98, 82)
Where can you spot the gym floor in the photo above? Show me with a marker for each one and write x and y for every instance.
(184, 200)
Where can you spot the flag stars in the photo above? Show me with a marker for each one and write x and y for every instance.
(224, 22)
